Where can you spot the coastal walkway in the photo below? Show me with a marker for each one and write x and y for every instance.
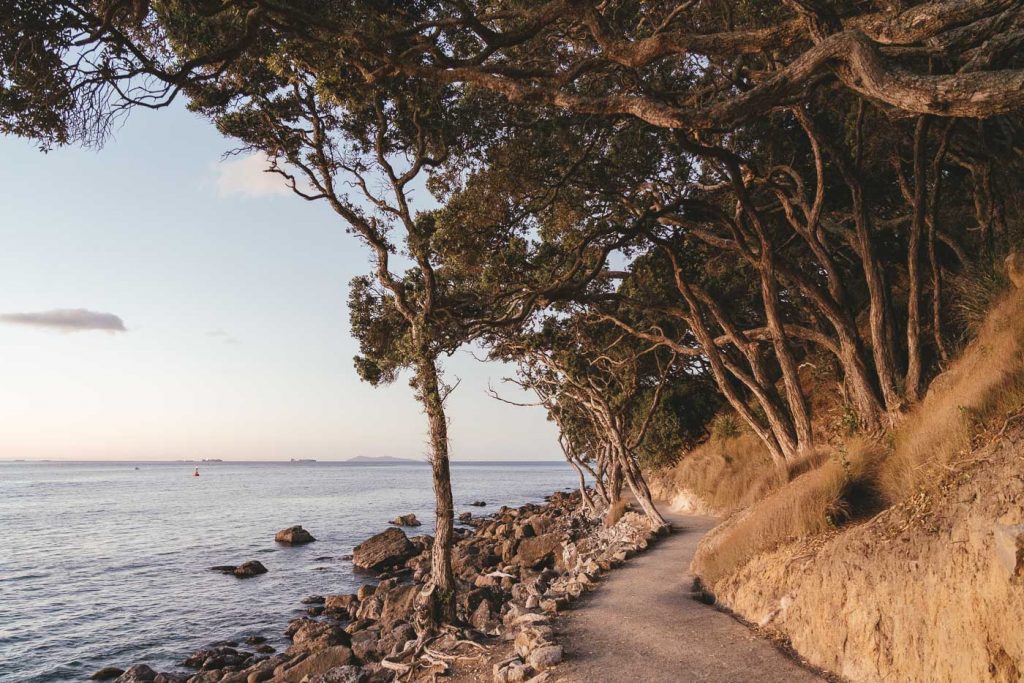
(642, 625)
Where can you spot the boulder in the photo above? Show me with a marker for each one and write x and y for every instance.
(319, 634)
(478, 503)
(140, 673)
(365, 644)
(341, 674)
(106, 673)
(399, 603)
(341, 606)
(249, 569)
(465, 516)
(540, 550)
(164, 677)
(511, 672)
(386, 549)
(406, 520)
(545, 657)
(294, 535)
(318, 662)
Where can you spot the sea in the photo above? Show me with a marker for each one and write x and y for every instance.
(107, 564)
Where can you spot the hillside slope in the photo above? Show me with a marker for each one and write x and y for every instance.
(932, 587)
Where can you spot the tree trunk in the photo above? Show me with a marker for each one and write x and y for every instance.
(615, 483)
(912, 380)
(441, 554)
(585, 499)
(638, 485)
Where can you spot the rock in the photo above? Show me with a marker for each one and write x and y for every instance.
(406, 520)
(170, 678)
(399, 603)
(478, 504)
(545, 657)
(319, 634)
(386, 549)
(140, 673)
(294, 535)
(1015, 269)
(341, 674)
(531, 638)
(313, 600)
(106, 673)
(249, 569)
(341, 606)
(265, 649)
(540, 550)
(511, 672)
(317, 662)
(242, 571)
(364, 644)
(394, 642)
(466, 517)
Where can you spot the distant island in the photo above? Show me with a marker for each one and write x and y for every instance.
(302, 460)
(384, 460)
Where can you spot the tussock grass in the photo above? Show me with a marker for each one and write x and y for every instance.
(984, 384)
(825, 496)
(861, 477)
(729, 471)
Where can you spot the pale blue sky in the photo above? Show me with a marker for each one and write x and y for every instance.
(234, 298)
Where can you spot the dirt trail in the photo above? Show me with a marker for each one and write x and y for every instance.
(642, 624)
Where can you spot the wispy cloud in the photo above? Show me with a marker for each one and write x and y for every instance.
(248, 176)
(221, 334)
(67, 320)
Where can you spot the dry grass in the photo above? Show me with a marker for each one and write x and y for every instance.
(615, 512)
(825, 496)
(728, 472)
(983, 385)
(970, 399)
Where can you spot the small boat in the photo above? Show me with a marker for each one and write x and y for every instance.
(196, 473)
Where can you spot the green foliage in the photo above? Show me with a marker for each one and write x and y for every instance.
(383, 334)
(725, 426)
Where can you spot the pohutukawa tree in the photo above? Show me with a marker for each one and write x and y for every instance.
(779, 183)
(604, 390)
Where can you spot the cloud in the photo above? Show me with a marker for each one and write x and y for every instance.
(221, 334)
(67, 320)
(247, 176)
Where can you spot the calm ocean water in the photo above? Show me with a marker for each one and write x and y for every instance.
(103, 564)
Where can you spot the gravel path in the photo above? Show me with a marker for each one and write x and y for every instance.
(643, 625)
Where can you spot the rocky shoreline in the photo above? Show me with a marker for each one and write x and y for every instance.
(516, 569)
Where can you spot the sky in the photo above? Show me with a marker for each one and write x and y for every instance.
(160, 302)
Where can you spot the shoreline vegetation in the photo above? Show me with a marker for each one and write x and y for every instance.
(517, 569)
(921, 529)
(763, 248)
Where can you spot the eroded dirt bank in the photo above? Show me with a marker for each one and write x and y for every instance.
(932, 590)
